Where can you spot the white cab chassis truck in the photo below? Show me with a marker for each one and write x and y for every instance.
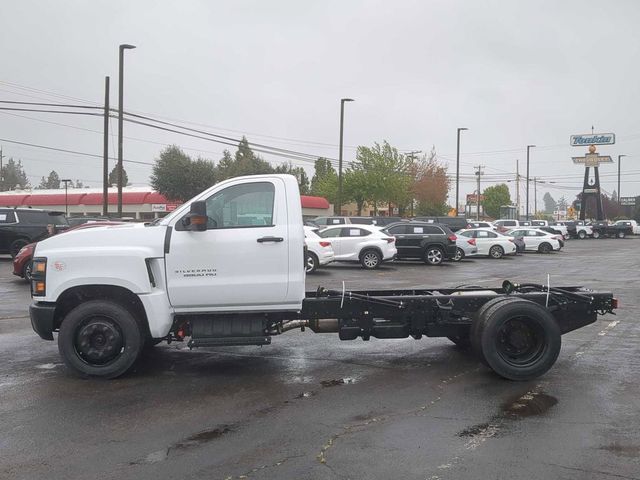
(227, 268)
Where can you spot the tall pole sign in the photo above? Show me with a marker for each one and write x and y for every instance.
(592, 160)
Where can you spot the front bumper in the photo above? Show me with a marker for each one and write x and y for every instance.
(42, 314)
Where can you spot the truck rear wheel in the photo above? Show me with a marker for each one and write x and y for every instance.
(519, 339)
(621, 234)
(582, 234)
(100, 338)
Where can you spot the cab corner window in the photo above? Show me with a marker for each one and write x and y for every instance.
(241, 206)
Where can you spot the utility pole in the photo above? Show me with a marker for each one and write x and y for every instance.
(458, 169)
(518, 189)
(1, 174)
(619, 157)
(121, 50)
(337, 209)
(478, 174)
(411, 155)
(105, 151)
(529, 147)
(535, 196)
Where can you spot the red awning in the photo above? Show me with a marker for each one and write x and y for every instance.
(53, 199)
(314, 202)
(12, 200)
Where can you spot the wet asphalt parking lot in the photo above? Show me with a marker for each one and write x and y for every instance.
(311, 407)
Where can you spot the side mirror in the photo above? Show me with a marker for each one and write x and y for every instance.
(196, 219)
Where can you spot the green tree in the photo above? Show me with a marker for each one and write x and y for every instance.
(324, 182)
(385, 172)
(549, 203)
(13, 176)
(245, 162)
(494, 197)
(354, 188)
(113, 177)
(299, 173)
(178, 177)
(52, 181)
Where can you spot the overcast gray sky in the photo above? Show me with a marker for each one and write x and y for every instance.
(513, 72)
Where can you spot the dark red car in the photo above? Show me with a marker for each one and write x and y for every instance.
(22, 261)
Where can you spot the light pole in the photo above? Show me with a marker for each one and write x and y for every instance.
(458, 169)
(122, 48)
(337, 210)
(66, 203)
(619, 157)
(529, 147)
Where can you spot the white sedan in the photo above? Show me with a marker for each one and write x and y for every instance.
(489, 242)
(360, 243)
(537, 240)
(319, 251)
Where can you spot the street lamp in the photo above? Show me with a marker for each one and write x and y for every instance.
(339, 206)
(458, 169)
(122, 48)
(619, 157)
(529, 147)
(66, 203)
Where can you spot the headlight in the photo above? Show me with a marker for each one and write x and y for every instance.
(39, 277)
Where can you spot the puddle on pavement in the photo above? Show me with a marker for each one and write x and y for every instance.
(305, 395)
(203, 437)
(630, 451)
(339, 381)
(476, 430)
(529, 405)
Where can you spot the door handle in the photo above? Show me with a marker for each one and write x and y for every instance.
(270, 239)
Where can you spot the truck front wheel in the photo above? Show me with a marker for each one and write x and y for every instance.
(100, 338)
(519, 340)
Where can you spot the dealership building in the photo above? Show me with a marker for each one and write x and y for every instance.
(139, 203)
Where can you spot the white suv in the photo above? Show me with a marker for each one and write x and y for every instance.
(319, 250)
(360, 243)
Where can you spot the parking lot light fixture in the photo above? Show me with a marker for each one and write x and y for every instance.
(66, 203)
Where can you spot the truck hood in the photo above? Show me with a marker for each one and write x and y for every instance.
(135, 236)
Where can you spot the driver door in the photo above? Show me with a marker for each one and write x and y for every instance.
(241, 260)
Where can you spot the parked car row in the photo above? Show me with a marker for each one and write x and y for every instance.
(433, 243)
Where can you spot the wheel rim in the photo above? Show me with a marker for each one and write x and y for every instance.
(99, 341)
(27, 272)
(520, 341)
(458, 255)
(621, 234)
(434, 256)
(544, 248)
(311, 263)
(495, 252)
(370, 260)
(596, 234)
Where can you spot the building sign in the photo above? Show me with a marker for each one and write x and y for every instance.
(171, 207)
(158, 207)
(628, 201)
(592, 159)
(593, 139)
(472, 198)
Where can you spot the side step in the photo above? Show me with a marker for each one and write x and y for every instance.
(227, 341)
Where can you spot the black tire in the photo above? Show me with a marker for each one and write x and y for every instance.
(478, 317)
(458, 256)
(312, 262)
(370, 259)
(621, 234)
(26, 271)
(596, 234)
(15, 247)
(544, 247)
(433, 255)
(582, 234)
(566, 237)
(100, 338)
(496, 252)
(519, 340)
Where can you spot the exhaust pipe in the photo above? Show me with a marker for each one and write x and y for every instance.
(321, 325)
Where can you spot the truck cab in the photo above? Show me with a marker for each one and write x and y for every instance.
(242, 250)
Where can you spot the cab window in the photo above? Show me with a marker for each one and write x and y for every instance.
(241, 206)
